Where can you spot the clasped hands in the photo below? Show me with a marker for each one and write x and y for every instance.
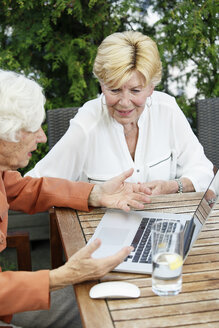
(116, 193)
(163, 187)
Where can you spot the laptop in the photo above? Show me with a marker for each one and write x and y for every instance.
(118, 229)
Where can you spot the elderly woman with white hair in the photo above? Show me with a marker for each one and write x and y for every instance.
(21, 116)
(130, 125)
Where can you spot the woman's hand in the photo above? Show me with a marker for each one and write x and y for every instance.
(116, 193)
(161, 187)
(81, 266)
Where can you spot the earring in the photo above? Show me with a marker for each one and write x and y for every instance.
(149, 102)
(103, 96)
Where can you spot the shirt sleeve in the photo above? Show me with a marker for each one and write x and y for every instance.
(33, 195)
(23, 291)
(191, 160)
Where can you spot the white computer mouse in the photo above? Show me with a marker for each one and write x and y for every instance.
(114, 289)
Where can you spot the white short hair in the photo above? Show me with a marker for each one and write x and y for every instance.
(21, 105)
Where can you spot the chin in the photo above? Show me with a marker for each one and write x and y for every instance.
(24, 164)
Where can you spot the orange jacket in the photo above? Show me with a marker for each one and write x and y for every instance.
(26, 291)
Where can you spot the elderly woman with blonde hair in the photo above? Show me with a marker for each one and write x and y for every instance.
(130, 125)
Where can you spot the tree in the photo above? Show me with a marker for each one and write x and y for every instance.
(55, 43)
(187, 34)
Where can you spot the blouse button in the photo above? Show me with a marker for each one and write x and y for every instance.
(138, 170)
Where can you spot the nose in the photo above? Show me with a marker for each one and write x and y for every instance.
(41, 137)
(125, 99)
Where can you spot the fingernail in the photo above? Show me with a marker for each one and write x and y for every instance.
(97, 241)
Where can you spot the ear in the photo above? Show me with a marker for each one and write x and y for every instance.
(151, 89)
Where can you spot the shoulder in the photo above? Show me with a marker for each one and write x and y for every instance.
(165, 109)
(162, 98)
(164, 105)
(11, 175)
(89, 115)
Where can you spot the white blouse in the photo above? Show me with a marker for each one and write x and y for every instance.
(94, 147)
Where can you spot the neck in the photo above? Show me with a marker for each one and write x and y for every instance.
(129, 129)
(4, 165)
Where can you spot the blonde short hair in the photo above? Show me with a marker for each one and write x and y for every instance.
(120, 54)
(21, 105)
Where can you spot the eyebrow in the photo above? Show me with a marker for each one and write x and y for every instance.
(138, 86)
(134, 87)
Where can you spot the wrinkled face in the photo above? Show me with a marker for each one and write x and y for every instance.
(127, 103)
(14, 155)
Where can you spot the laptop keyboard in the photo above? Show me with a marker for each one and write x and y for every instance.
(142, 240)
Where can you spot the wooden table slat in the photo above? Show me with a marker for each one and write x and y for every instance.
(200, 325)
(153, 301)
(167, 310)
(207, 249)
(88, 307)
(171, 321)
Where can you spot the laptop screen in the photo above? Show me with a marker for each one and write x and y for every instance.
(201, 214)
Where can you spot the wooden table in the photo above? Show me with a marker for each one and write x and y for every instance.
(197, 306)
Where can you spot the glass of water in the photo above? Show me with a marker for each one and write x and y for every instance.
(167, 257)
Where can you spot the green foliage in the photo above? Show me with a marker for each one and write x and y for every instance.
(55, 42)
(187, 33)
